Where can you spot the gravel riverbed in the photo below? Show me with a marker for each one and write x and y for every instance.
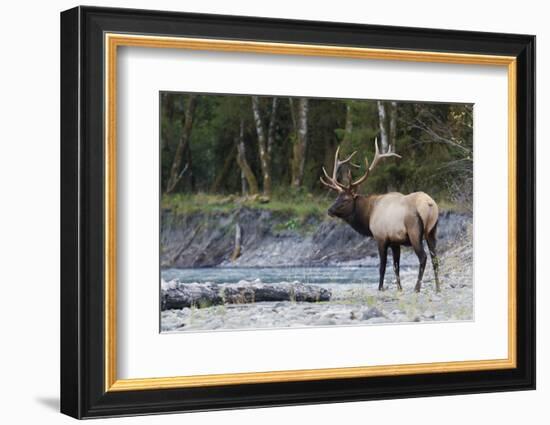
(350, 304)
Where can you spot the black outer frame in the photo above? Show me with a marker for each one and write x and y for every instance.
(82, 218)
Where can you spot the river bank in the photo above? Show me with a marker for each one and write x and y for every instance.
(349, 305)
(281, 250)
(271, 238)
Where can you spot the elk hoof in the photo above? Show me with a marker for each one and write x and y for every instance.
(417, 288)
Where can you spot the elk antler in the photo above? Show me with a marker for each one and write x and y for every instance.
(333, 182)
(377, 157)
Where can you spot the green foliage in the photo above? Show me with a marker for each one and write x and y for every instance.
(435, 142)
(297, 211)
(291, 224)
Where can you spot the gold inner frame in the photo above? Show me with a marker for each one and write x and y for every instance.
(113, 41)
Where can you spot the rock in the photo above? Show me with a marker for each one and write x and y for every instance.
(428, 315)
(326, 322)
(176, 295)
(371, 313)
(377, 320)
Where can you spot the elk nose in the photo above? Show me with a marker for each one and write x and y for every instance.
(331, 212)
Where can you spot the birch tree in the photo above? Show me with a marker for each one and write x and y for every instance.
(387, 125)
(388, 128)
(382, 126)
(300, 142)
(265, 141)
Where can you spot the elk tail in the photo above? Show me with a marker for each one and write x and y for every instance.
(433, 218)
(428, 211)
(421, 225)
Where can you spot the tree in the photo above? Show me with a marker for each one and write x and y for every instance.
(388, 136)
(300, 142)
(349, 124)
(446, 131)
(387, 126)
(176, 170)
(226, 168)
(226, 134)
(265, 140)
(348, 130)
(246, 171)
(393, 123)
(382, 125)
(271, 127)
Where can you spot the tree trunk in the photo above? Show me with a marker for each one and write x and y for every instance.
(300, 143)
(227, 165)
(348, 126)
(342, 174)
(382, 126)
(271, 128)
(262, 146)
(191, 175)
(176, 172)
(237, 248)
(243, 163)
(244, 186)
(167, 109)
(385, 140)
(393, 124)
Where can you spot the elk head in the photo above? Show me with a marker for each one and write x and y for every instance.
(344, 205)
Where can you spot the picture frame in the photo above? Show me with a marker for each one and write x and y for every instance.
(90, 39)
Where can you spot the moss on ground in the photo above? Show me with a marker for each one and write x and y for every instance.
(298, 210)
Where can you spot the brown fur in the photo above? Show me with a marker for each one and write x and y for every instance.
(392, 219)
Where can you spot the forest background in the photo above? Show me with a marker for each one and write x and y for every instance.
(222, 150)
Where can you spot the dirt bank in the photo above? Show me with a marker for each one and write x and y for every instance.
(269, 238)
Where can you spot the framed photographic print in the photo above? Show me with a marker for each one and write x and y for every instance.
(261, 212)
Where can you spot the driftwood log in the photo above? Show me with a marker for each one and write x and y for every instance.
(237, 249)
(176, 295)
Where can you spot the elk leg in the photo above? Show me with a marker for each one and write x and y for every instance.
(396, 254)
(421, 254)
(432, 242)
(383, 253)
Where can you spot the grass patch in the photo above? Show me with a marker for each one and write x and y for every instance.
(445, 205)
(297, 208)
(293, 204)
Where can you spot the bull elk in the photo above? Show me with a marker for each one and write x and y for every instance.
(392, 219)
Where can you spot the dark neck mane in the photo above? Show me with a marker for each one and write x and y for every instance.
(359, 220)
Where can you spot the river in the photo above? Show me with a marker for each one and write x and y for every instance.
(307, 275)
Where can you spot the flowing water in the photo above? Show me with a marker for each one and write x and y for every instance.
(307, 275)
